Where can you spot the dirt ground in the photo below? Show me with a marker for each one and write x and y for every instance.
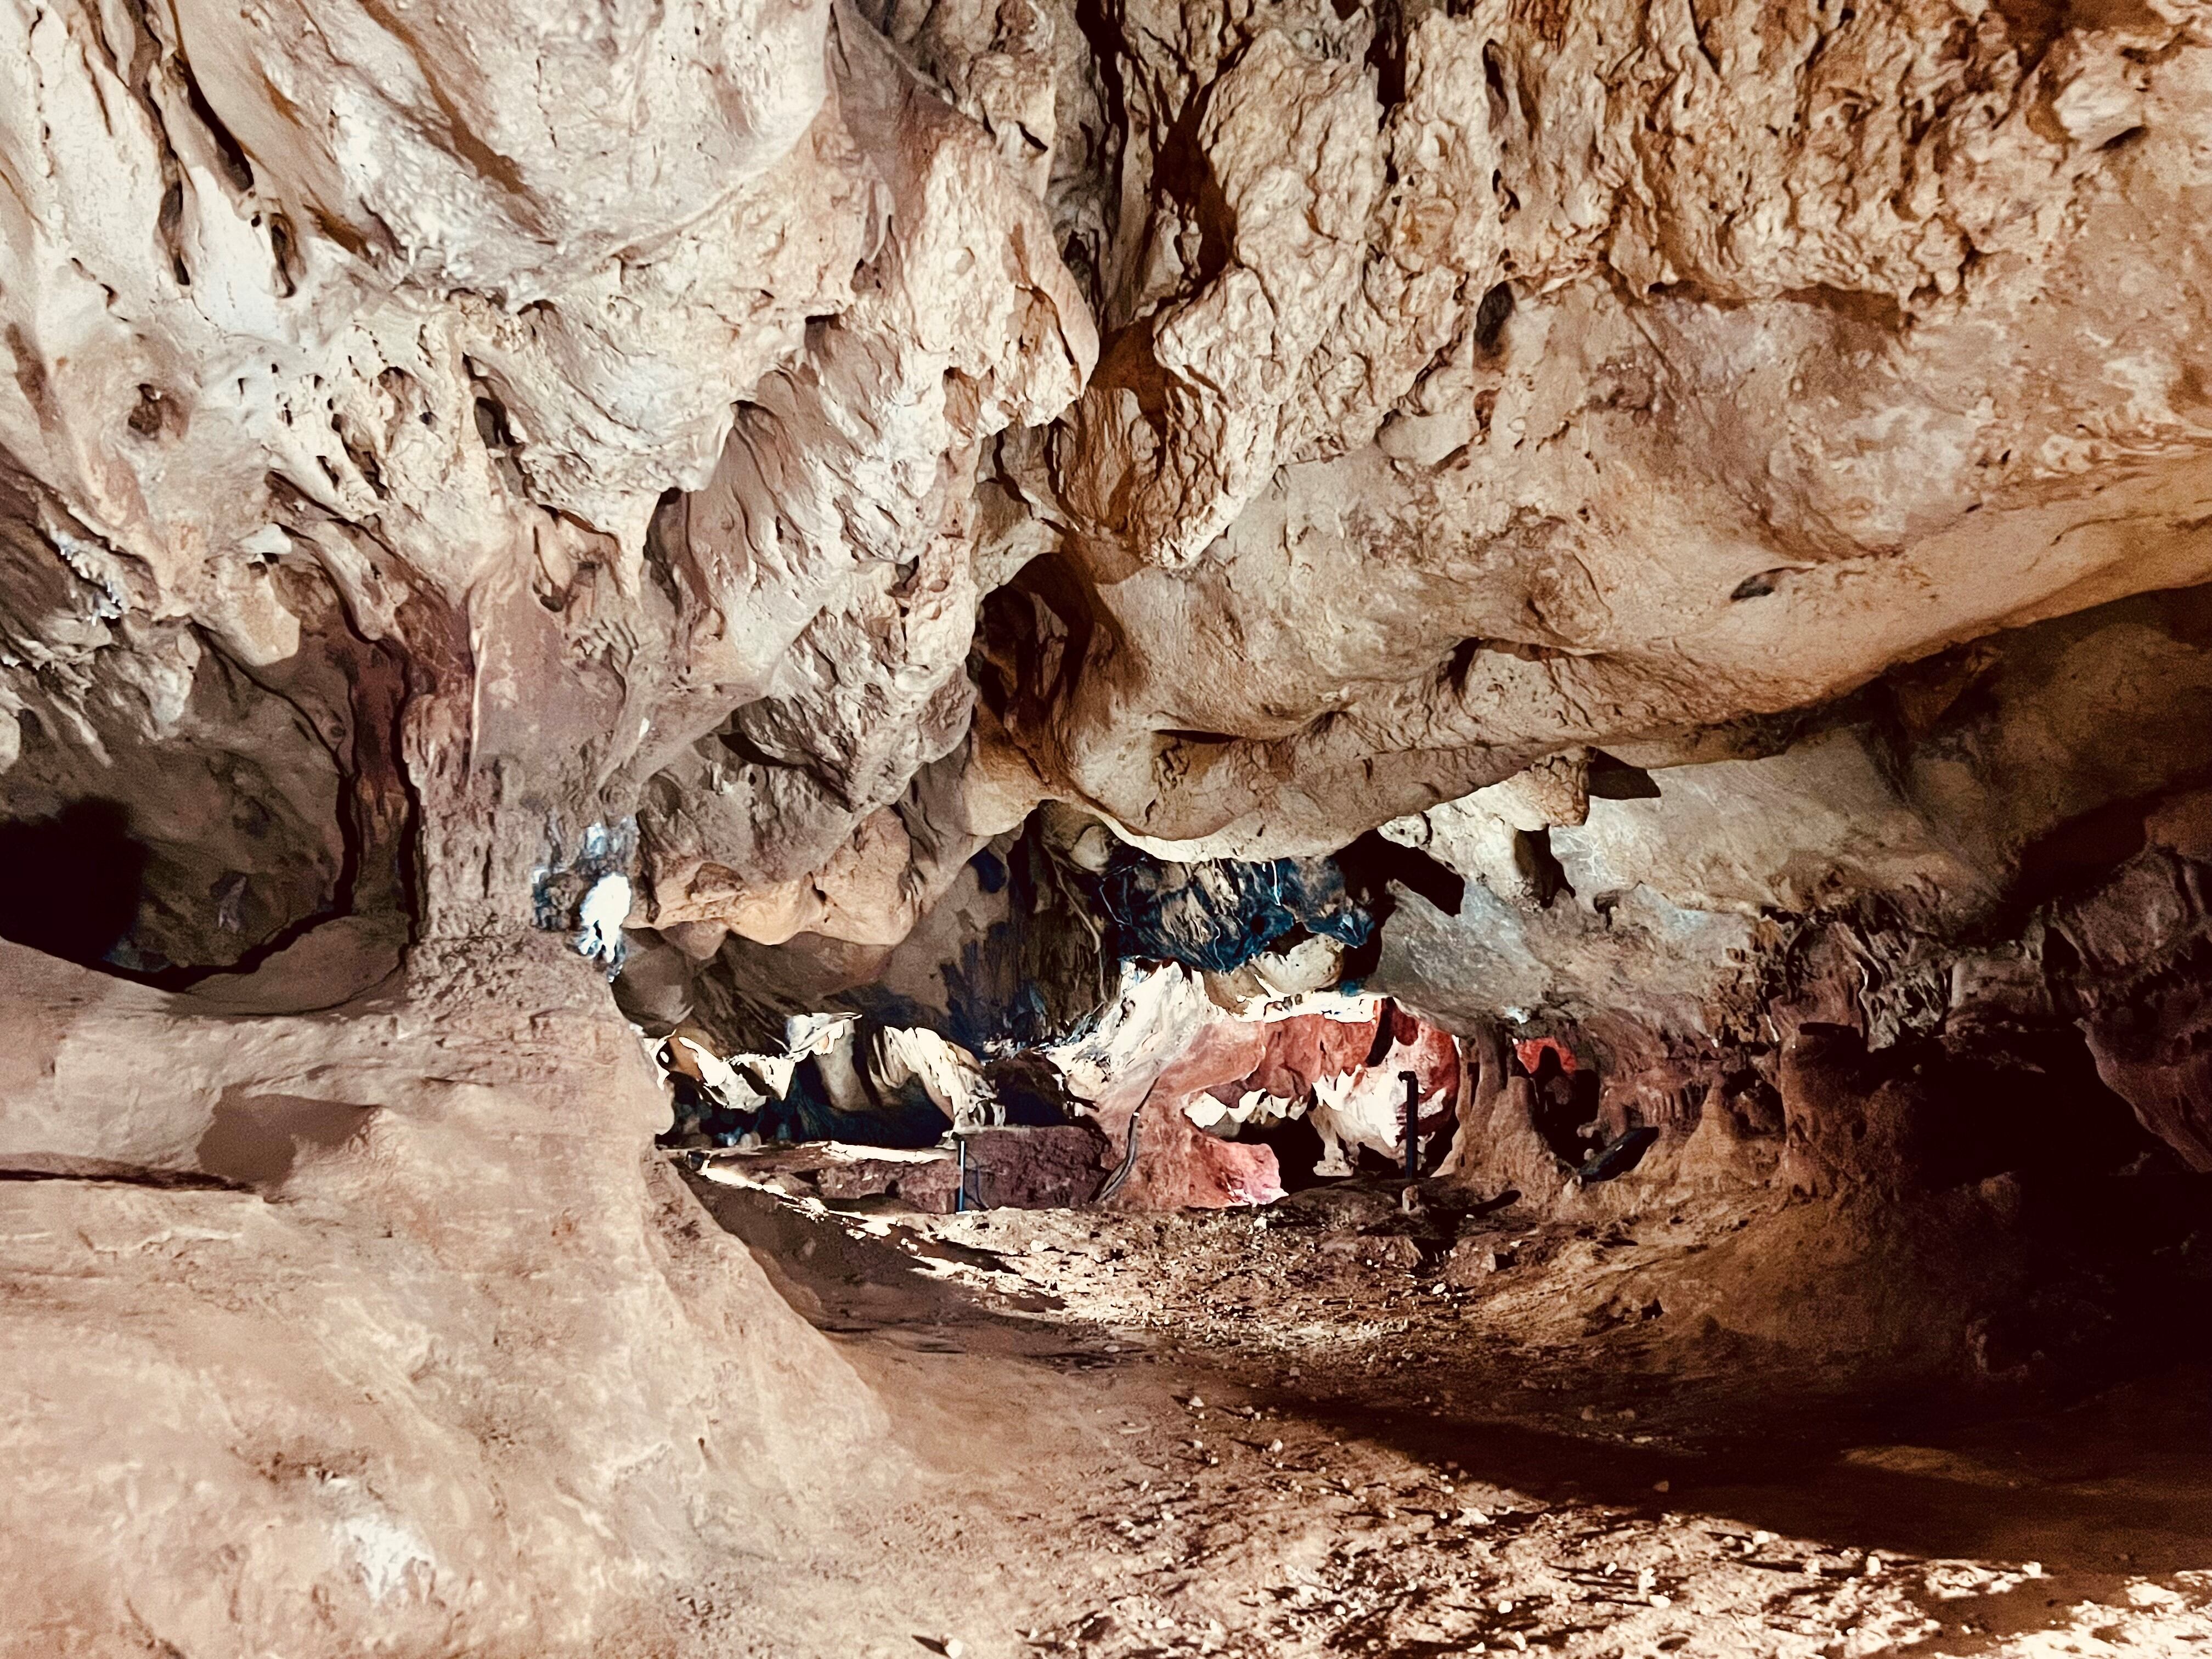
(1336, 1428)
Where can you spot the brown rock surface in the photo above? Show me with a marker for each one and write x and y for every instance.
(1682, 368)
(286, 1366)
(1732, 484)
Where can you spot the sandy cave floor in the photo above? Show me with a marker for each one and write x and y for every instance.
(1214, 1433)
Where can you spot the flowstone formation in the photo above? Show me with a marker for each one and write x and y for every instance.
(1695, 515)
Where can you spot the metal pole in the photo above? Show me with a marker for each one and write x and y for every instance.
(1412, 1082)
(960, 1198)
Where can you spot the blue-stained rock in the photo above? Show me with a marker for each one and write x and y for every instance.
(1219, 913)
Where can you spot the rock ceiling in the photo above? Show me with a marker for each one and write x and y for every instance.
(440, 438)
(432, 431)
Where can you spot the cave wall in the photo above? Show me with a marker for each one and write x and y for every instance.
(1594, 377)
(643, 434)
(621, 391)
(1735, 483)
(374, 1326)
(1999, 847)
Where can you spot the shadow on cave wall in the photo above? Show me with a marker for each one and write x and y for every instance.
(70, 885)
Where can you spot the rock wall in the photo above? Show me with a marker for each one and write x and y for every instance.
(1732, 482)
(1997, 847)
(374, 1324)
(1595, 378)
(498, 416)
(429, 437)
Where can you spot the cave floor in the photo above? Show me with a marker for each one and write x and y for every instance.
(1205, 1434)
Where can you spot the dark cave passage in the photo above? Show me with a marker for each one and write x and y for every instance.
(73, 882)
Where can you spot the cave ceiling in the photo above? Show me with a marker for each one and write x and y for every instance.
(452, 452)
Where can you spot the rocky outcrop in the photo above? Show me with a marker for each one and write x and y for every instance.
(643, 434)
(290, 1365)
(1495, 413)
(1732, 489)
(1991, 847)
(2144, 943)
(337, 447)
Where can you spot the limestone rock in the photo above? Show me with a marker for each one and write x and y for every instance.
(290, 1368)
(1724, 356)
(1731, 484)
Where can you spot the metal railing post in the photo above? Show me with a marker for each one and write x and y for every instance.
(1412, 1082)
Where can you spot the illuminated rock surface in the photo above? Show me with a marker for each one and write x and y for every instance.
(1702, 513)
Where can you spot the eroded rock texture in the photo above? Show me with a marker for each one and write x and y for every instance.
(374, 1322)
(426, 431)
(643, 433)
(1727, 483)
(1596, 377)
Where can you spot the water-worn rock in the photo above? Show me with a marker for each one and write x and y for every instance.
(1645, 364)
(1727, 483)
(288, 1367)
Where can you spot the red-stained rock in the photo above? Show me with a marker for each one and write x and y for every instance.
(1178, 1164)
(1056, 1167)
(1429, 1051)
(1180, 1167)
(389, 501)
(1529, 1051)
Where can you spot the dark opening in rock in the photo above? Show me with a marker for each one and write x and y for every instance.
(70, 885)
